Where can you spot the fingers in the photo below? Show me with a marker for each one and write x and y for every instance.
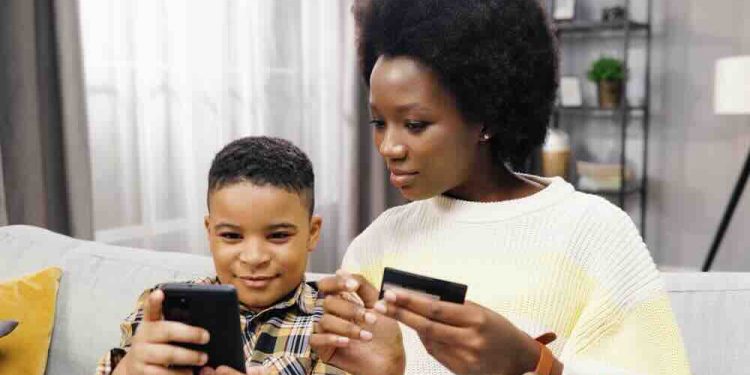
(152, 308)
(334, 325)
(226, 370)
(160, 370)
(163, 332)
(169, 355)
(328, 340)
(445, 312)
(344, 282)
(368, 293)
(428, 326)
(257, 370)
(325, 345)
(172, 355)
(333, 285)
(347, 310)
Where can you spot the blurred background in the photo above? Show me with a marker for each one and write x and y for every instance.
(111, 112)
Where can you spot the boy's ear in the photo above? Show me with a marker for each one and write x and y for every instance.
(316, 222)
(207, 224)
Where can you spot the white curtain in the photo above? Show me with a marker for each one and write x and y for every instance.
(170, 82)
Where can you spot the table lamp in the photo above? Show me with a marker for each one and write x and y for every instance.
(731, 97)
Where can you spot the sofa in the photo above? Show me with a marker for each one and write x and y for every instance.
(101, 282)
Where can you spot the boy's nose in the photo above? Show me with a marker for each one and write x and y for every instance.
(254, 256)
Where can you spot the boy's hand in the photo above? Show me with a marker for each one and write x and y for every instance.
(354, 337)
(151, 351)
(224, 370)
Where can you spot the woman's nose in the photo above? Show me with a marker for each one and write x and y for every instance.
(390, 146)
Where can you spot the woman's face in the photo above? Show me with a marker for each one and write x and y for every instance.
(427, 145)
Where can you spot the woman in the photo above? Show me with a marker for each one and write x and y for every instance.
(458, 90)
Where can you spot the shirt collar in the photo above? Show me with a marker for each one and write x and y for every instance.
(304, 297)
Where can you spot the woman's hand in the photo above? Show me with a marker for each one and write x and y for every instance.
(468, 338)
(352, 336)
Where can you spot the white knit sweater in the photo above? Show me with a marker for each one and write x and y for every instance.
(558, 260)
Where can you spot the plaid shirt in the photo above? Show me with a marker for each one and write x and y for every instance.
(277, 337)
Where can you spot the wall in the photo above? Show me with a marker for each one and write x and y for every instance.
(696, 155)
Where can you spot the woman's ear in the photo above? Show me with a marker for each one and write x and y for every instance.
(484, 134)
(316, 222)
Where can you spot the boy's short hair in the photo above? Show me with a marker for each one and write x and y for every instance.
(264, 161)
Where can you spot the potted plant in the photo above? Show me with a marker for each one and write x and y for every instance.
(608, 74)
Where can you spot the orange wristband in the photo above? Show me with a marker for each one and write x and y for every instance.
(546, 359)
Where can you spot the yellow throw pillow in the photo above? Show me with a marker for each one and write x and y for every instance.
(31, 301)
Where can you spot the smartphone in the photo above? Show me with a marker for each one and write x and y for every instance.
(214, 308)
(427, 286)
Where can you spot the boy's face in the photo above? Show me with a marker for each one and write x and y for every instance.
(259, 238)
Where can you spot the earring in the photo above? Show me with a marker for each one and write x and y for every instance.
(485, 137)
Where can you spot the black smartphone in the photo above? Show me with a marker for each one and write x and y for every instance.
(427, 286)
(214, 308)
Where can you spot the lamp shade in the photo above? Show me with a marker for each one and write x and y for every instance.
(732, 89)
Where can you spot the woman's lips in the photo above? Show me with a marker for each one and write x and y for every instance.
(257, 282)
(400, 179)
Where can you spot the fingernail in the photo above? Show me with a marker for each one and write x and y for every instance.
(205, 338)
(343, 340)
(207, 371)
(370, 318)
(204, 358)
(380, 307)
(389, 296)
(365, 335)
(351, 284)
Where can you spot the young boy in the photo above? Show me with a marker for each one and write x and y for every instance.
(260, 226)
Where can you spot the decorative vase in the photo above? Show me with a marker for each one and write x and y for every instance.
(610, 94)
(556, 154)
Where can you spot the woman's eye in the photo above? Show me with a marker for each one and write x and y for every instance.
(416, 126)
(230, 236)
(377, 124)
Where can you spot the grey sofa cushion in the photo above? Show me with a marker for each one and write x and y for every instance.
(99, 287)
(712, 310)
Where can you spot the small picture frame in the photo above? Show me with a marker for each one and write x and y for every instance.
(565, 10)
(570, 92)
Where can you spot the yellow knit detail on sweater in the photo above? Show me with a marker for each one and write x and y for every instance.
(651, 322)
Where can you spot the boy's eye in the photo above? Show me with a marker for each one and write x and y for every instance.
(377, 124)
(416, 126)
(279, 235)
(230, 236)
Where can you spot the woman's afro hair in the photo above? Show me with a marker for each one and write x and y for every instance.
(497, 57)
